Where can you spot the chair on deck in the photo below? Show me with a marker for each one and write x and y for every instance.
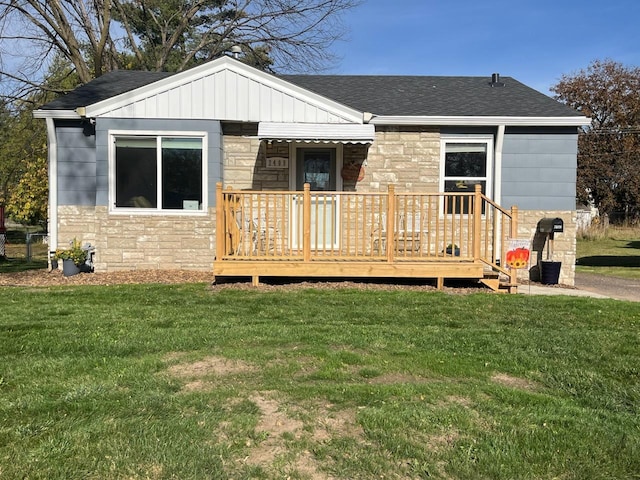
(254, 236)
(409, 237)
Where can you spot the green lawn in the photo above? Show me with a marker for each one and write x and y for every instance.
(615, 251)
(189, 382)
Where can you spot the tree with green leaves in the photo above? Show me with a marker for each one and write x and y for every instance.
(23, 167)
(23, 150)
(608, 150)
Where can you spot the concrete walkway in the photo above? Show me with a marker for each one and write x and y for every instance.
(555, 290)
(591, 285)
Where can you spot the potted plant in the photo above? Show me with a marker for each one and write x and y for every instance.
(72, 258)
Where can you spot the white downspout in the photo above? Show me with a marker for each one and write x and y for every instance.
(497, 186)
(53, 184)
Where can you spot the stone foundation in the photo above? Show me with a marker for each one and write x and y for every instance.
(564, 244)
(140, 242)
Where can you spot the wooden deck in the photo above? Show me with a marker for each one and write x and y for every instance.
(351, 234)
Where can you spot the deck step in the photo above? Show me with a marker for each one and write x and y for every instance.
(492, 280)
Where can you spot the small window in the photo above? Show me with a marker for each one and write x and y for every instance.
(465, 163)
(156, 172)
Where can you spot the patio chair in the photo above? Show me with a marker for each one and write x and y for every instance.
(267, 237)
(409, 236)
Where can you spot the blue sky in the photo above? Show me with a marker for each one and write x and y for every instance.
(533, 41)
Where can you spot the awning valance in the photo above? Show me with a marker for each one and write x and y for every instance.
(317, 132)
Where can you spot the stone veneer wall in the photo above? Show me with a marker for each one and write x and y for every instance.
(408, 157)
(137, 242)
(245, 160)
(564, 244)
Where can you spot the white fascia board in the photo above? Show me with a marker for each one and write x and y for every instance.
(57, 114)
(215, 66)
(484, 121)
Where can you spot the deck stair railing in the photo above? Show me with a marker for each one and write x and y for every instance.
(354, 226)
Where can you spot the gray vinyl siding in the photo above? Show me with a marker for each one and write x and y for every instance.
(214, 153)
(76, 154)
(539, 169)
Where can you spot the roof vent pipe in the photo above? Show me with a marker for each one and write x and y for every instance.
(495, 80)
(236, 51)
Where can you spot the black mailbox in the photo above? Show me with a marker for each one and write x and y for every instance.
(551, 225)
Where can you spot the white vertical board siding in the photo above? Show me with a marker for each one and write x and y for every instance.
(186, 104)
(266, 101)
(149, 107)
(241, 100)
(218, 90)
(230, 95)
(197, 92)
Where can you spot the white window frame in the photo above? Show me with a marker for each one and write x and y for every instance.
(479, 139)
(158, 134)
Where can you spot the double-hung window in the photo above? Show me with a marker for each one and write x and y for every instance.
(465, 162)
(158, 172)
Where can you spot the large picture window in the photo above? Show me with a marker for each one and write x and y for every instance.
(158, 172)
(465, 163)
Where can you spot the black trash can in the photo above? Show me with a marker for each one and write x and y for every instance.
(550, 273)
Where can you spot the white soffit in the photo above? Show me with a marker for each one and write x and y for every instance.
(316, 132)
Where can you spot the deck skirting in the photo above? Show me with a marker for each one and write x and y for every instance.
(360, 269)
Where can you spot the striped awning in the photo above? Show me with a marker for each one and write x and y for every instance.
(317, 132)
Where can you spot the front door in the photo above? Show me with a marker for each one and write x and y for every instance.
(317, 167)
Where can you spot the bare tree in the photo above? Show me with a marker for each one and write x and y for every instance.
(97, 36)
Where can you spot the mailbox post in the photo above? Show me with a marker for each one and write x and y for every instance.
(550, 270)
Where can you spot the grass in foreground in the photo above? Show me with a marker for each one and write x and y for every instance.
(610, 251)
(191, 383)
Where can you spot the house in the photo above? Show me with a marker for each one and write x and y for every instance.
(136, 157)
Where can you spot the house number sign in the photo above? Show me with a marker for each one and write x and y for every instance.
(277, 162)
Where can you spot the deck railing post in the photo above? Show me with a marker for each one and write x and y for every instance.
(306, 223)
(513, 273)
(391, 221)
(477, 221)
(220, 234)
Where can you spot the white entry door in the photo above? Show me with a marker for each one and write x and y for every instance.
(317, 167)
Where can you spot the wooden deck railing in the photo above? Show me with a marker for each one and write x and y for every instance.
(352, 226)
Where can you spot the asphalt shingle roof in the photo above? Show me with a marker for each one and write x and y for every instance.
(106, 86)
(433, 96)
(380, 95)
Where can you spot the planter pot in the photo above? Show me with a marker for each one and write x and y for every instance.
(453, 251)
(69, 268)
(84, 268)
(550, 272)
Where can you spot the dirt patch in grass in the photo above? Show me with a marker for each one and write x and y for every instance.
(284, 437)
(340, 423)
(442, 441)
(397, 379)
(214, 365)
(514, 382)
(273, 425)
(197, 386)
